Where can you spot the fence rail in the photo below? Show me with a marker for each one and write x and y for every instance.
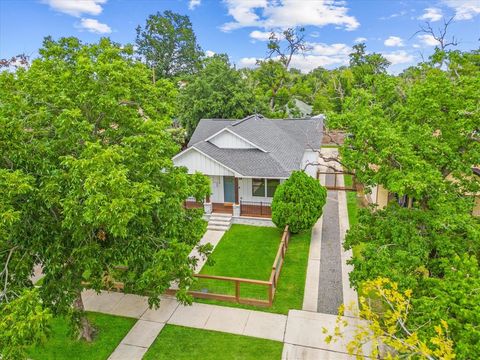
(240, 290)
(253, 208)
(334, 185)
(233, 289)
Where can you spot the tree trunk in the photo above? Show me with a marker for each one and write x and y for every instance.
(85, 328)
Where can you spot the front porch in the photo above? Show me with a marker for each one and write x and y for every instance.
(239, 196)
(246, 208)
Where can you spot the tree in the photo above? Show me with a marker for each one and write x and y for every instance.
(298, 202)
(23, 323)
(217, 91)
(417, 136)
(168, 45)
(386, 330)
(295, 44)
(84, 140)
(365, 65)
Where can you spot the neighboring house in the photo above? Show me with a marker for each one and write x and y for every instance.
(382, 197)
(247, 159)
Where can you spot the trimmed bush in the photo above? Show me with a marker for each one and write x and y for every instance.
(298, 202)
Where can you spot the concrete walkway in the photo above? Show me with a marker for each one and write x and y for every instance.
(211, 236)
(330, 289)
(300, 331)
(136, 343)
(201, 316)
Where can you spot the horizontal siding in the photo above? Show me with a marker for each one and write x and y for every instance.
(195, 161)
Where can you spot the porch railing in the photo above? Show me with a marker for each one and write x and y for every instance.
(253, 208)
(192, 204)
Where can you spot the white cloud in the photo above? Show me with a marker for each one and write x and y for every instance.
(315, 34)
(360, 40)
(76, 7)
(209, 53)
(247, 62)
(94, 26)
(401, 13)
(393, 41)
(260, 35)
(193, 4)
(464, 9)
(432, 14)
(416, 46)
(428, 40)
(324, 55)
(399, 57)
(288, 13)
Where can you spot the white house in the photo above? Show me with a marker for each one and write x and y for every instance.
(246, 159)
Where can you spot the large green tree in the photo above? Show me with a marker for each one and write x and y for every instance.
(87, 179)
(217, 91)
(417, 135)
(168, 44)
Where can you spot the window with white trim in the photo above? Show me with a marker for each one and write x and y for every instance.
(264, 187)
(258, 187)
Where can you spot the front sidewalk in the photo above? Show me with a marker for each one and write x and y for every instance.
(201, 316)
(300, 331)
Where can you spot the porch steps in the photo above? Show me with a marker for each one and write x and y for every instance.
(219, 222)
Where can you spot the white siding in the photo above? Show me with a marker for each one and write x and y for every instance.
(228, 140)
(195, 161)
(310, 157)
(217, 189)
(245, 191)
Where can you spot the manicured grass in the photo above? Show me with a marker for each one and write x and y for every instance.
(291, 284)
(60, 345)
(245, 251)
(178, 342)
(352, 201)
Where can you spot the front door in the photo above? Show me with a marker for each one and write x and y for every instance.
(228, 189)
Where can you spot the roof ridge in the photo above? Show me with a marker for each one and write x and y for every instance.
(257, 116)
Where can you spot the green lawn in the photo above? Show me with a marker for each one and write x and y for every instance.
(245, 252)
(60, 345)
(178, 342)
(352, 201)
(251, 257)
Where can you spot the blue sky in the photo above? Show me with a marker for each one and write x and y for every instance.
(240, 27)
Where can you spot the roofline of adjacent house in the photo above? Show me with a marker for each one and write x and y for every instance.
(208, 156)
(234, 133)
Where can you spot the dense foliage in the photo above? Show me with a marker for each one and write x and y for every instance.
(87, 179)
(298, 202)
(217, 91)
(417, 135)
(169, 45)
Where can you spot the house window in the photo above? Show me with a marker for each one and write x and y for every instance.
(264, 187)
(258, 187)
(272, 186)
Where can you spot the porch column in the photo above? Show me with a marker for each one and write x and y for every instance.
(236, 206)
(236, 191)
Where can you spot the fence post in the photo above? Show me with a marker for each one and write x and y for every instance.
(270, 295)
(237, 290)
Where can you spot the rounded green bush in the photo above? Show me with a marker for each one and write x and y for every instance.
(298, 202)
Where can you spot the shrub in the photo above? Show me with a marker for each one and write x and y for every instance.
(298, 202)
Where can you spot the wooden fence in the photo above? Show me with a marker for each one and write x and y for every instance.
(333, 185)
(239, 290)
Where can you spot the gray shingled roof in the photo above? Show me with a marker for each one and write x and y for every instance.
(284, 141)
